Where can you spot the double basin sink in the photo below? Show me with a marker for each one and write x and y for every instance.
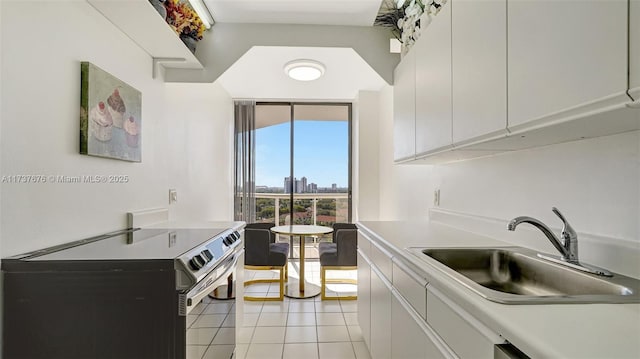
(515, 275)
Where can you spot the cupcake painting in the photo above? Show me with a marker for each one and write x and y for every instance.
(131, 130)
(110, 116)
(116, 108)
(100, 122)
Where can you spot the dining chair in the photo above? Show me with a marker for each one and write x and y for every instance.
(340, 254)
(263, 253)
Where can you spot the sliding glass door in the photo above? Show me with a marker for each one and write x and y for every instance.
(303, 163)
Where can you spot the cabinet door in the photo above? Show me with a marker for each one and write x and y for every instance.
(433, 84)
(364, 298)
(380, 317)
(634, 50)
(479, 57)
(408, 339)
(464, 334)
(564, 54)
(404, 108)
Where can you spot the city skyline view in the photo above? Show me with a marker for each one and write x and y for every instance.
(320, 153)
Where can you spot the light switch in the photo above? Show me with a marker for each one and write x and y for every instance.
(173, 196)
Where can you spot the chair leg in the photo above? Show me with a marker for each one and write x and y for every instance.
(323, 295)
(280, 280)
(324, 281)
(282, 276)
(286, 271)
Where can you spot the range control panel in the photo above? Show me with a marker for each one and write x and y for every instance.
(214, 250)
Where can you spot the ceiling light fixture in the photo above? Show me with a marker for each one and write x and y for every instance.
(304, 70)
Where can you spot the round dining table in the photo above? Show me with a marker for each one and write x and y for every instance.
(301, 289)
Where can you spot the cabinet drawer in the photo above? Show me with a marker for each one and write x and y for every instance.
(382, 260)
(455, 327)
(412, 288)
(364, 244)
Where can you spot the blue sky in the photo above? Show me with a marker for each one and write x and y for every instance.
(321, 153)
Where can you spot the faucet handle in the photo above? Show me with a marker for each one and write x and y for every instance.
(568, 233)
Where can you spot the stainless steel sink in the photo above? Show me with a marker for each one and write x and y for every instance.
(514, 275)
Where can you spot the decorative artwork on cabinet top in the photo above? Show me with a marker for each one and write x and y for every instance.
(407, 18)
(110, 116)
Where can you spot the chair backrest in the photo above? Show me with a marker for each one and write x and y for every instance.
(339, 227)
(257, 237)
(345, 235)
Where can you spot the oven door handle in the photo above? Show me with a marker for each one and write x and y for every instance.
(211, 279)
(234, 261)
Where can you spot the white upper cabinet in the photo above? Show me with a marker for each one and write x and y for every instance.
(433, 84)
(479, 54)
(634, 51)
(563, 55)
(404, 108)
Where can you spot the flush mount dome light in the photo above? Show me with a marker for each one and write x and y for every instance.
(304, 70)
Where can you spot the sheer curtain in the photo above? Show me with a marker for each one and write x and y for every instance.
(245, 161)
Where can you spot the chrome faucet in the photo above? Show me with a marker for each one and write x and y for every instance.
(567, 244)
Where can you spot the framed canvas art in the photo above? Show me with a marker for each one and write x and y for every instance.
(110, 116)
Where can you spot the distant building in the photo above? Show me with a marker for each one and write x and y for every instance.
(298, 185)
(287, 184)
(312, 188)
(334, 187)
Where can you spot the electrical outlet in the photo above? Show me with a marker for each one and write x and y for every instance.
(173, 238)
(173, 196)
(436, 198)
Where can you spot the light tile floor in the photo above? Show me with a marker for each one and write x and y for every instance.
(294, 328)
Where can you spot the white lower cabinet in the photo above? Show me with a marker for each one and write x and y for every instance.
(364, 298)
(408, 338)
(465, 335)
(380, 347)
(402, 317)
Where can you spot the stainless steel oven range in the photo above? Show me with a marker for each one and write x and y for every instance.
(120, 295)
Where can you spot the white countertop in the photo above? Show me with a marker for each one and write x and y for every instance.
(547, 330)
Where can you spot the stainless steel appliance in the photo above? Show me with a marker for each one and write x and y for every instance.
(122, 295)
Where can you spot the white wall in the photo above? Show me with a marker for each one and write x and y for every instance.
(365, 141)
(594, 182)
(40, 129)
(406, 190)
(200, 151)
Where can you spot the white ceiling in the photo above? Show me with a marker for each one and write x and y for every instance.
(318, 12)
(259, 74)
